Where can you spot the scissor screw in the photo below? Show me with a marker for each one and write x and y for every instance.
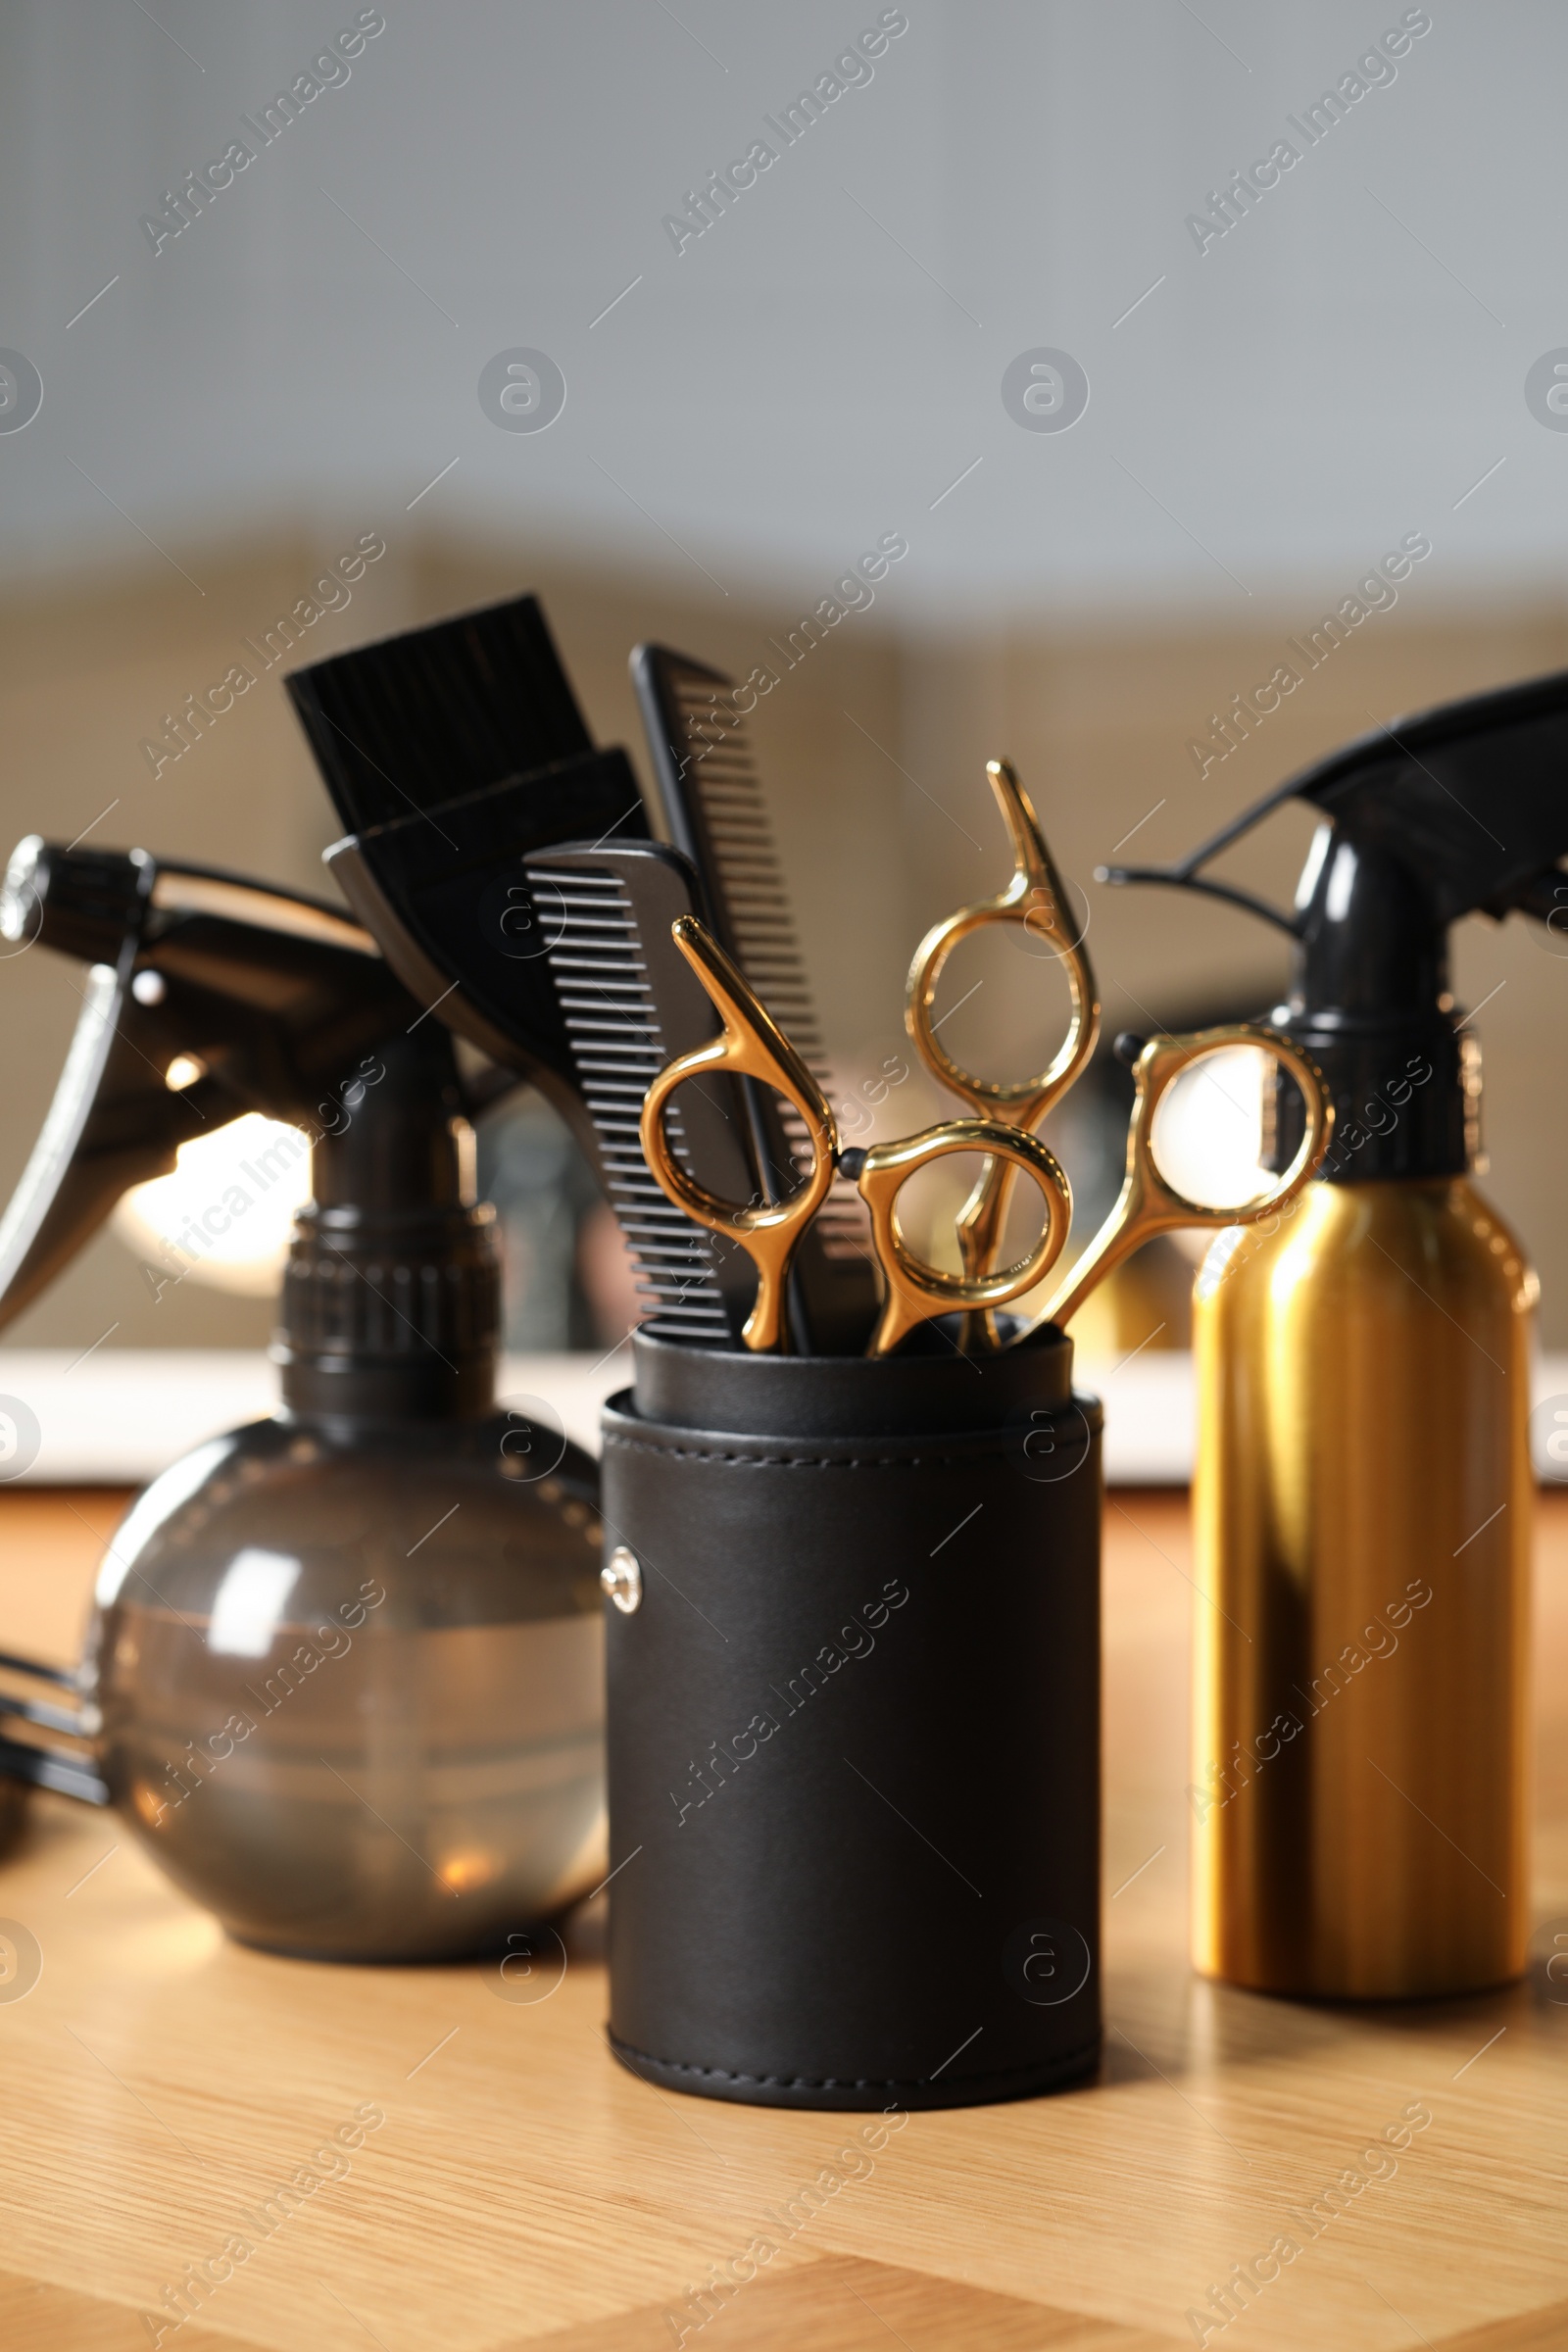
(622, 1580)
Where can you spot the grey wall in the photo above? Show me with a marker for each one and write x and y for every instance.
(824, 360)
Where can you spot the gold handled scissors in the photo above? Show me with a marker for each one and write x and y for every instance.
(1035, 901)
(751, 1044)
(1148, 1204)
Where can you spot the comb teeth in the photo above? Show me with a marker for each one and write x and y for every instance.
(619, 1048)
(721, 769)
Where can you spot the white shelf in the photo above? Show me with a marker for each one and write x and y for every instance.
(121, 1415)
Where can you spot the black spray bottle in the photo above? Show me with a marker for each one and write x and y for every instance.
(344, 1677)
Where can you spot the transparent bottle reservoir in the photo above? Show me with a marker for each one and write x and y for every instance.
(352, 1701)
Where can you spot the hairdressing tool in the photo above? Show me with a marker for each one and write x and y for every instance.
(1363, 1493)
(425, 716)
(72, 1770)
(711, 804)
(446, 885)
(343, 1675)
(206, 995)
(1035, 901)
(451, 752)
(1148, 1204)
(628, 1002)
(752, 1045)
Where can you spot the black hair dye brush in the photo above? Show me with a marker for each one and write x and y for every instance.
(450, 753)
(459, 754)
(400, 727)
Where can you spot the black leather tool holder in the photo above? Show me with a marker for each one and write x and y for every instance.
(854, 1725)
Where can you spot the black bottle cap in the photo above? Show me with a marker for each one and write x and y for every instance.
(391, 1298)
(1371, 1005)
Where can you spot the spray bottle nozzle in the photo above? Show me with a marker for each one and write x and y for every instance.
(209, 996)
(21, 908)
(1458, 811)
(81, 901)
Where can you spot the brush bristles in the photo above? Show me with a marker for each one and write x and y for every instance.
(427, 717)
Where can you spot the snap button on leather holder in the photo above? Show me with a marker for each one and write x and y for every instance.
(622, 1577)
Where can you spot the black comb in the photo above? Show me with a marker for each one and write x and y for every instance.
(628, 1004)
(711, 804)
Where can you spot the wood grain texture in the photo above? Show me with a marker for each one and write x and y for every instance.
(160, 2084)
(1530, 2331)
(842, 2304)
(38, 2317)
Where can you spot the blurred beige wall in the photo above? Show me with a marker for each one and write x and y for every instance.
(873, 748)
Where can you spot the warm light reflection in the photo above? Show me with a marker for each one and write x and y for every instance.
(148, 1803)
(1208, 1128)
(223, 1216)
(463, 1872)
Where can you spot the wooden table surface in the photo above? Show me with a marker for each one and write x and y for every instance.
(159, 2082)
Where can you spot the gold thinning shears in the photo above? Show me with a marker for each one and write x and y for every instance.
(1148, 1204)
(751, 1045)
(1035, 900)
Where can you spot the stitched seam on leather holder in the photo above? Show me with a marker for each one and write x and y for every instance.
(809, 1461)
(724, 2074)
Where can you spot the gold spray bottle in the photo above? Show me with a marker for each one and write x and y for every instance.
(1363, 1495)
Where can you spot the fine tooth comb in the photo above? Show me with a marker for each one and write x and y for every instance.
(710, 803)
(628, 1004)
